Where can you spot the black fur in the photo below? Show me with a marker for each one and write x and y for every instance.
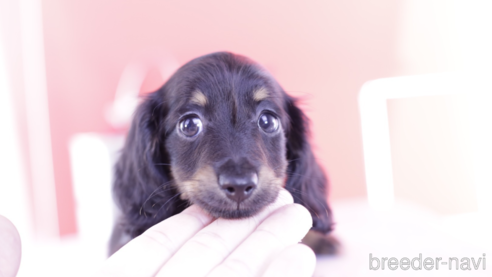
(157, 160)
(306, 180)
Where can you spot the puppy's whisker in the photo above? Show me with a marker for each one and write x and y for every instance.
(293, 160)
(288, 162)
(170, 199)
(290, 174)
(154, 193)
(185, 203)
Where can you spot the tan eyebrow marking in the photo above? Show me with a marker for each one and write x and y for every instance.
(198, 98)
(260, 94)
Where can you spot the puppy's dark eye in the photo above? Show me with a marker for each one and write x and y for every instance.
(268, 122)
(190, 125)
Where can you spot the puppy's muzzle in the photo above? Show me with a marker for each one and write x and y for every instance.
(237, 180)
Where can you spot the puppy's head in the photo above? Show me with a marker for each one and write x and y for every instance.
(218, 134)
(225, 134)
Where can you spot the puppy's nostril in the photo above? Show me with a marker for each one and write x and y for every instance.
(240, 188)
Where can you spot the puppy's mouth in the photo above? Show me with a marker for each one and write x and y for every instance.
(242, 210)
(231, 199)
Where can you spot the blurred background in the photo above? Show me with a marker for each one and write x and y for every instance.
(70, 71)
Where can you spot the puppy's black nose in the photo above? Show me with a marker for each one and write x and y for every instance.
(238, 188)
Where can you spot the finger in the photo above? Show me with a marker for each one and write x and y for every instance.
(215, 242)
(10, 248)
(286, 226)
(144, 255)
(297, 260)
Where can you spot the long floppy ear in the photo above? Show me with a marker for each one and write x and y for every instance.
(306, 180)
(143, 188)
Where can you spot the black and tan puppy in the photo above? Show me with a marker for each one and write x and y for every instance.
(221, 133)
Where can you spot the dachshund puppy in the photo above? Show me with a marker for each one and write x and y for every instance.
(222, 134)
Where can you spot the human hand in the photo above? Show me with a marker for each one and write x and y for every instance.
(193, 243)
(10, 248)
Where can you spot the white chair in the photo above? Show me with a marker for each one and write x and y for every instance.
(476, 89)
